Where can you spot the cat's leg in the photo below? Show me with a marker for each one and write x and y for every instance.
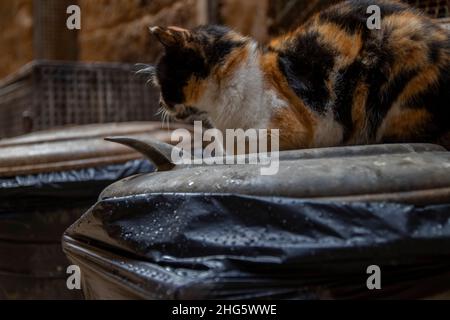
(294, 133)
(406, 124)
(444, 140)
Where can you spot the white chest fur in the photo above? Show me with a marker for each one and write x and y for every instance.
(242, 101)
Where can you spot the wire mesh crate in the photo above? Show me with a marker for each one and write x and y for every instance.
(46, 94)
(438, 9)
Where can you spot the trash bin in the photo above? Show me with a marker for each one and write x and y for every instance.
(47, 180)
(309, 232)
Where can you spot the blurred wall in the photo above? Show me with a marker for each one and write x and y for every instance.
(117, 30)
(112, 30)
(16, 35)
(248, 17)
(52, 40)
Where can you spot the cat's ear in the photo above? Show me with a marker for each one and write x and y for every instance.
(172, 36)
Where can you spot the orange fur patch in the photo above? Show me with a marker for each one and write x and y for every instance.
(234, 60)
(420, 83)
(410, 53)
(359, 134)
(296, 122)
(347, 45)
(193, 91)
(405, 124)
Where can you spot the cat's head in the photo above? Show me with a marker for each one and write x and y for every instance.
(190, 59)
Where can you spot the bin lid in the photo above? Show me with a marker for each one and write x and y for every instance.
(309, 231)
(409, 173)
(74, 147)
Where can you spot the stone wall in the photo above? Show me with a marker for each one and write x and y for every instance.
(16, 35)
(249, 17)
(117, 30)
(112, 30)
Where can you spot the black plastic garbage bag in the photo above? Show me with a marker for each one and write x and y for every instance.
(194, 246)
(34, 212)
(55, 188)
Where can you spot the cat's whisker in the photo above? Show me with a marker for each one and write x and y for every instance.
(150, 71)
(160, 113)
(153, 82)
(165, 118)
(168, 120)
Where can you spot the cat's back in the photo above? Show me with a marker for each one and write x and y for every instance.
(369, 76)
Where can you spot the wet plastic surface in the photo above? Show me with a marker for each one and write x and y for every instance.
(34, 212)
(209, 246)
(78, 184)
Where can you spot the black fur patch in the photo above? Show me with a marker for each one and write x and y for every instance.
(178, 65)
(175, 69)
(380, 101)
(355, 19)
(434, 49)
(306, 63)
(436, 100)
(346, 83)
(215, 44)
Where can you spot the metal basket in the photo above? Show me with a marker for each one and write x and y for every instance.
(46, 94)
(437, 9)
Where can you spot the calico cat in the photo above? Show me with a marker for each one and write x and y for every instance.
(330, 82)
